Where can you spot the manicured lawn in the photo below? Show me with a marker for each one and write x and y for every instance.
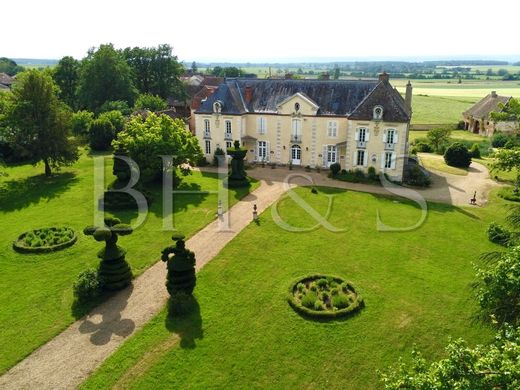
(243, 333)
(431, 161)
(36, 290)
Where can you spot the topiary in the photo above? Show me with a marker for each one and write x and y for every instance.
(113, 269)
(88, 285)
(457, 155)
(335, 168)
(475, 151)
(181, 267)
(498, 234)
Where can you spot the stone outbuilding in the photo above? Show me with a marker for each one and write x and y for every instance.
(476, 118)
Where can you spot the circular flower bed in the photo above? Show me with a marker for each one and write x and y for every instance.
(324, 296)
(45, 240)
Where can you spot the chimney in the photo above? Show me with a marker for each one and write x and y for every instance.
(248, 95)
(494, 94)
(408, 96)
(384, 77)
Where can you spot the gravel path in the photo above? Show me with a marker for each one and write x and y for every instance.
(69, 358)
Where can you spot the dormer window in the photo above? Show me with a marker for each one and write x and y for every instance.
(217, 107)
(297, 107)
(378, 113)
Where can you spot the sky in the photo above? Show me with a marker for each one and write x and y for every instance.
(267, 30)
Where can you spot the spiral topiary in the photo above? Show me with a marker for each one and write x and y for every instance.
(181, 267)
(113, 269)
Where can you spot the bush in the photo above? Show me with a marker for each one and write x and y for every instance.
(510, 144)
(116, 118)
(101, 134)
(309, 300)
(372, 174)
(218, 152)
(318, 305)
(423, 147)
(181, 276)
(340, 301)
(499, 140)
(416, 177)
(498, 234)
(475, 151)
(88, 285)
(457, 155)
(335, 168)
(322, 283)
(81, 122)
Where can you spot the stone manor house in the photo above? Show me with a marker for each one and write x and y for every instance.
(313, 123)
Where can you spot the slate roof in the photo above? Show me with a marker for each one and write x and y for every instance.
(338, 97)
(488, 104)
(6, 80)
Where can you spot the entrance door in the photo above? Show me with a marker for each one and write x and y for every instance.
(296, 155)
(331, 155)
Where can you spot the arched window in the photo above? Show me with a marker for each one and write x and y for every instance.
(378, 113)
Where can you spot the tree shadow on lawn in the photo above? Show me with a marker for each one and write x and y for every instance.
(187, 322)
(111, 322)
(18, 194)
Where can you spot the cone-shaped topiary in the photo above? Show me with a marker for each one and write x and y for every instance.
(181, 267)
(114, 271)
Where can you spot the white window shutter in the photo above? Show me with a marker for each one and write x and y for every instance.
(383, 160)
(264, 125)
(356, 137)
(324, 159)
(354, 159)
(367, 135)
(365, 159)
(394, 158)
(396, 139)
(267, 151)
(258, 124)
(257, 151)
(385, 136)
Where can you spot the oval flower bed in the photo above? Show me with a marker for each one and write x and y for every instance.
(324, 296)
(45, 240)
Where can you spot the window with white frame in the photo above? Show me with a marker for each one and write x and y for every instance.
(388, 159)
(360, 161)
(296, 126)
(228, 129)
(229, 144)
(390, 136)
(261, 125)
(332, 129)
(331, 154)
(262, 150)
(208, 147)
(207, 127)
(362, 134)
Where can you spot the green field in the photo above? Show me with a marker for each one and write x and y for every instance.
(36, 290)
(243, 334)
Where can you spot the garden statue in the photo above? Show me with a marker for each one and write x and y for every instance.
(238, 176)
(114, 271)
(181, 267)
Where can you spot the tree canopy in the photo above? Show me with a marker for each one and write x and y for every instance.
(66, 76)
(438, 138)
(40, 122)
(105, 76)
(509, 112)
(146, 139)
(150, 102)
(9, 66)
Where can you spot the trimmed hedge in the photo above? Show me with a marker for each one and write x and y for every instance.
(310, 312)
(52, 239)
(457, 155)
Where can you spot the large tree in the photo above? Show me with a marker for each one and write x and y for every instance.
(66, 75)
(40, 122)
(156, 70)
(145, 140)
(105, 76)
(509, 112)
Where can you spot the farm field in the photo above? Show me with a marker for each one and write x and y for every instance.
(36, 290)
(243, 333)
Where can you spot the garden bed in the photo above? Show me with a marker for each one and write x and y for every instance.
(323, 296)
(45, 240)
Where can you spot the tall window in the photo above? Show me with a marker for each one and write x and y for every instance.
(362, 137)
(261, 125)
(331, 154)
(208, 147)
(206, 126)
(332, 129)
(360, 158)
(228, 129)
(390, 136)
(262, 150)
(388, 160)
(229, 144)
(296, 126)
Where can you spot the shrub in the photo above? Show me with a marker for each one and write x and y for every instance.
(218, 152)
(87, 285)
(116, 118)
(318, 305)
(322, 283)
(335, 168)
(300, 287)
(499, 140)
(457, 155)
(101, 134)
(509, 193)
(372, 174)
(416, 177)
(340, 301)
(81, 122)
(510, 144)
(181, 267)
(309, 300)
(498, 234)
(475, 151)
(359, 173)
(438, 138)
(423, 147)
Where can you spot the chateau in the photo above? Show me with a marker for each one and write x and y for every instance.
(358, 124)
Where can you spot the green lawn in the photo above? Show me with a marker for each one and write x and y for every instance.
(430, 161)
(243, 334)
(36, 290)
(440, 110)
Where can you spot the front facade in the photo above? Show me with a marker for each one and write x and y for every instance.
(357, 124)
